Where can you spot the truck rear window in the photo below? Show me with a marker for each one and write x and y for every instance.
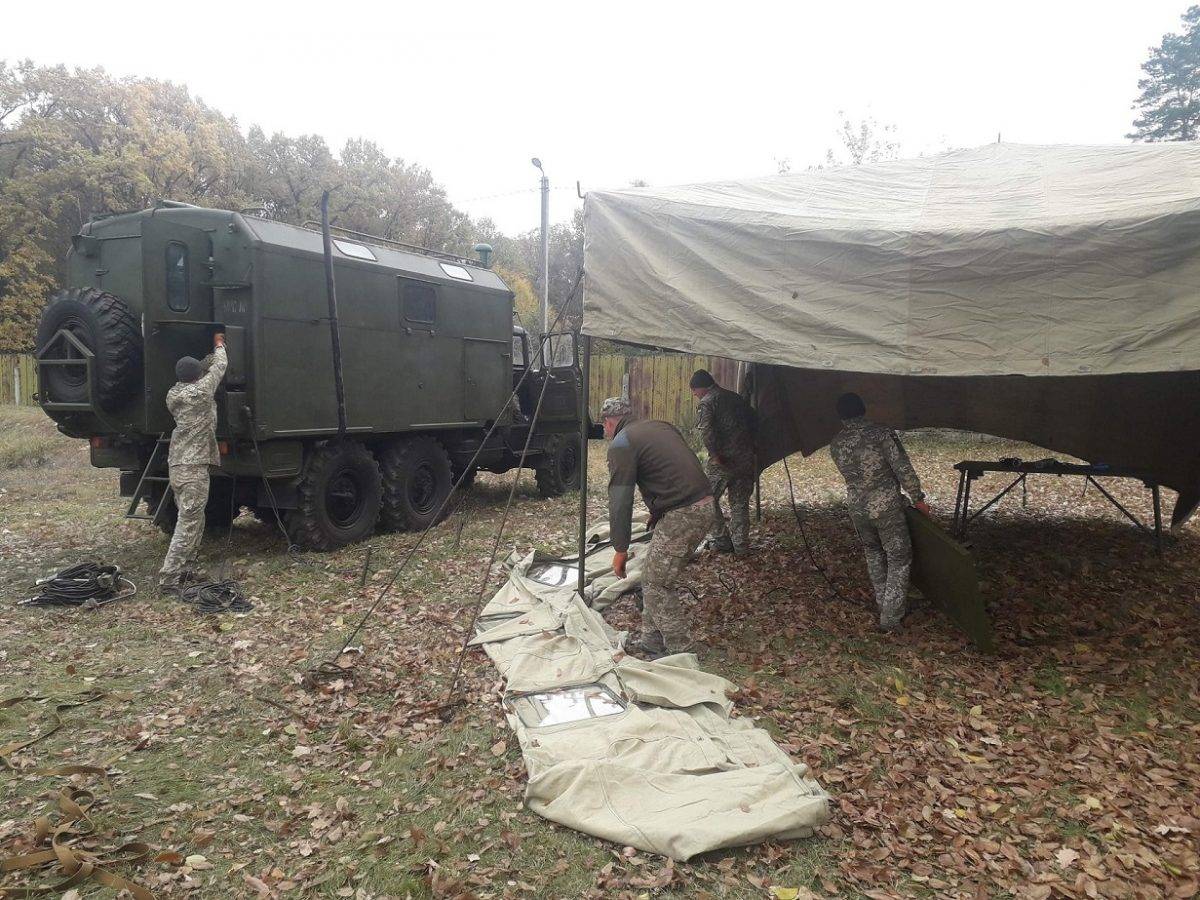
(419, 301)
(177, 276)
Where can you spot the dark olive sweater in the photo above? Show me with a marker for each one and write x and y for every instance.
(655, 457)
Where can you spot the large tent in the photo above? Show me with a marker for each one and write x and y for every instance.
(1043, 293)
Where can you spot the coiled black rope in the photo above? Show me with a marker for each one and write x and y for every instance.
(88, 584)
(213, 597)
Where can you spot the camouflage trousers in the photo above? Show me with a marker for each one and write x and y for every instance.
(190, 486)
(666, 622)
(740, 487)
(888, 547)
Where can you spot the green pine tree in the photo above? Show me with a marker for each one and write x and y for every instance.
(1169, 102)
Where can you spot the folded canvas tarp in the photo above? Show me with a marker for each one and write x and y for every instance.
(644, 754)
(942, 284)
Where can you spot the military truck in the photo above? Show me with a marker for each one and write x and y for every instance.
(430, 356)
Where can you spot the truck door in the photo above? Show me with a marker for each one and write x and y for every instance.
(178, 303)
(558, 365)
(487, 363)
(520, 364)
(176, 271)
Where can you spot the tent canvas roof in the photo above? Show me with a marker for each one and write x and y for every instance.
(1001, 260)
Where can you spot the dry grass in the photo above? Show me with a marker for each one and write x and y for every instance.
(27, 437)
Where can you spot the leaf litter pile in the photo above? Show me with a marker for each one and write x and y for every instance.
(1064, 766)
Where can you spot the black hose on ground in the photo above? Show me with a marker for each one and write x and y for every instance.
(212, 597)
(88, 584)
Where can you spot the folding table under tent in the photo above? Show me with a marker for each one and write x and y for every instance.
(1048, 294)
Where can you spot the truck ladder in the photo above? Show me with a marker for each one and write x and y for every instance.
(142, 491)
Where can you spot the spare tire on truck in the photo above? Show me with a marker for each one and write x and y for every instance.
(104, 324)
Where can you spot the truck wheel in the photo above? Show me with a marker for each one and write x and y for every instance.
(104, 324)
(339, 495)
(558, 470)
(416, 482)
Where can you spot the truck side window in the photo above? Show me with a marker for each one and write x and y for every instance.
(177, 276)
(519, 360)
(419, 301)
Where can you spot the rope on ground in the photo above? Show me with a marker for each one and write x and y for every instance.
(12, 747)
(804, 537)
(88, 584)
(68, 846)
(487, 570)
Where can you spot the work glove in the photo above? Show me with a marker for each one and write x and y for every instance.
(619, 563)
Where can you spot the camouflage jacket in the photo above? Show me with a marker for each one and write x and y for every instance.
(875, 466)
(194, 440)
(725, 422)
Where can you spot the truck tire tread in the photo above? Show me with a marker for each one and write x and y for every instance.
(309, 525)
(398, 461)
(113, 334)
(555, 474)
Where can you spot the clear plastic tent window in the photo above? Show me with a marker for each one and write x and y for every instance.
(552, 574)
(574, 704)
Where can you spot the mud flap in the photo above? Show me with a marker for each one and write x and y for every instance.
(944, 571)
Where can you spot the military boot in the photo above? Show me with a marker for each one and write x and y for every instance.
(170, 585)
(635, 647)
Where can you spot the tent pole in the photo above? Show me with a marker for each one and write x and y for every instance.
(752, 374)
(585, 391)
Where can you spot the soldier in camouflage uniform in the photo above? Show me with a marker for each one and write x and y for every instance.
(654, 457)
(725, 422)
(193, 450)
(876, 469)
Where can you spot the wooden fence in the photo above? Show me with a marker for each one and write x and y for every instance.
(658, 384)
(18, 379)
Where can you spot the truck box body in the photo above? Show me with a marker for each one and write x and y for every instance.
(421, 349)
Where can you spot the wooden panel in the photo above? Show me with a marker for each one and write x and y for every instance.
(658, 384)
(18, 379)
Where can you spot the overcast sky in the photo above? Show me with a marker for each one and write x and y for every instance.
(607, 92)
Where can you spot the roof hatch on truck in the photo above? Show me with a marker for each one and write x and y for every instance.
(357, 251)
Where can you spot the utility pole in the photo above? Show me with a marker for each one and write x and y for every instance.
(545, 246)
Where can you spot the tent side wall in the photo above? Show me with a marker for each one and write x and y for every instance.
(1146, 421)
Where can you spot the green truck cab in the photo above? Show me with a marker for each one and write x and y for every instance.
(430, 356)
